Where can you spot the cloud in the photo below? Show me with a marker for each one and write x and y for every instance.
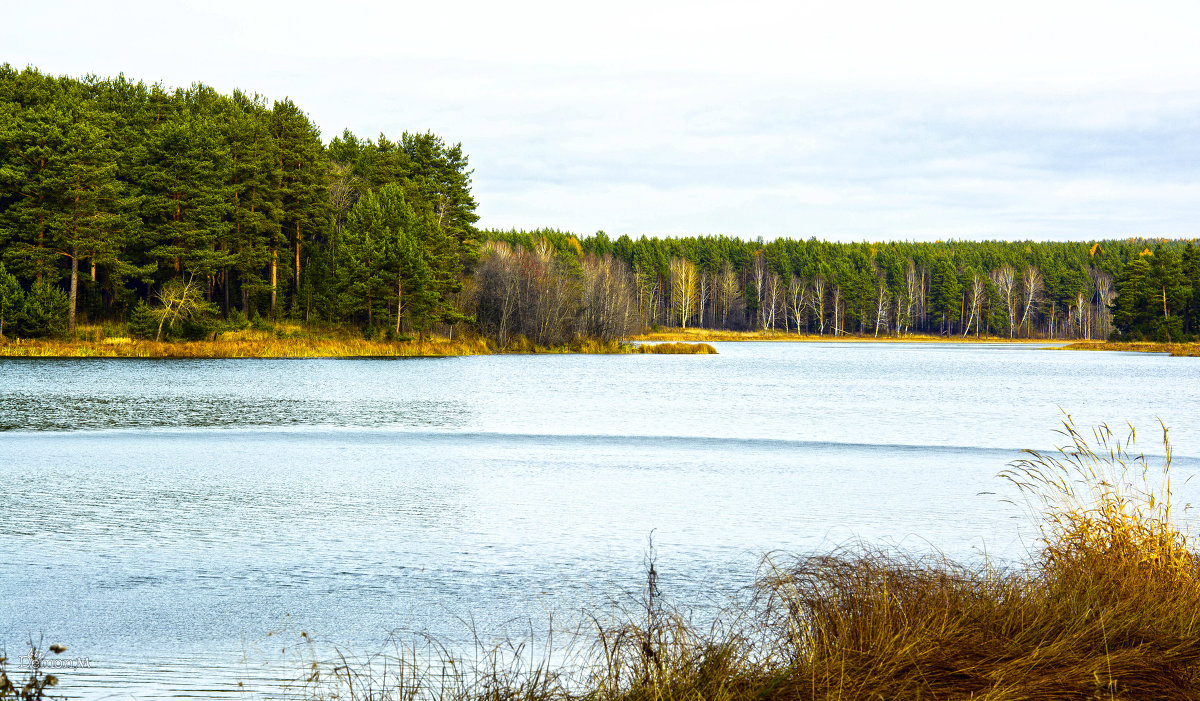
(846, 120)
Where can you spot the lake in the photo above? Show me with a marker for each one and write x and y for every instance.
(162, 517)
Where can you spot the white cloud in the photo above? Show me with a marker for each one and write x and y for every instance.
(840, 119)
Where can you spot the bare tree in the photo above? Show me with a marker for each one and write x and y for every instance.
(607, 304)
(1031, 282)
(1005, 279)
(683, 289)
(727, 287)
(881, 302)
(774, 297)
(179, 301)
(497, 290)
(796, 295)
(923, 295)
(647, 286)
(975, 293)
(910, 292)
(760, 284)
(1105, 294)
(550, 297)
(817, 301)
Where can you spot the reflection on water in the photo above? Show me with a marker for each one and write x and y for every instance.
(161, 517)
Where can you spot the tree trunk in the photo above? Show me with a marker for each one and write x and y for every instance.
(297, 255)
(1166, 316)
(74, 292)
(399, 300)
(274, 276)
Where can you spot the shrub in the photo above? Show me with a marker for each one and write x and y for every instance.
(142, 322)
(44, 312)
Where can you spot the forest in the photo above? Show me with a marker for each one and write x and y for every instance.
(183, 213)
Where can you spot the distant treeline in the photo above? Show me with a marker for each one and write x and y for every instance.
(185, 212)
(1134, 288)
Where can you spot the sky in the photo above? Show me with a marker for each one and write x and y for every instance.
(847, 121)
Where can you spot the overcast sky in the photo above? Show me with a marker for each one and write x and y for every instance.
(841, 120)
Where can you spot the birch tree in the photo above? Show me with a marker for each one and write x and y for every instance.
(1005, 280)
(796, 297)
(1031, 285)
(683, 289)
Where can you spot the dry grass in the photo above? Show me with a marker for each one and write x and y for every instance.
(1107, 608)
(677, 348)
(1176, 349)
(247, 344)
(296, 341)
(522, 345)
(717, 335)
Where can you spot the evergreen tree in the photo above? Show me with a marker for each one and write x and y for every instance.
(10, 297)
(1132, 303)
(186, 202)
(1170, 292)
(44, 312)
(439, 180)
(302, 185)
(946, 294)
(34, 123)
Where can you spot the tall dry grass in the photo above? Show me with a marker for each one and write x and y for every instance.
(282, 340)
(1107, 607)
(676, 348)
(712, 335)
(244, 348)
(1190, 349)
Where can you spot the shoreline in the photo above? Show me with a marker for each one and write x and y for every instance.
(274, 348)
(672, 340)
(715, 335)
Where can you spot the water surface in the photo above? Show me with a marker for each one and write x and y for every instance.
(161, 517)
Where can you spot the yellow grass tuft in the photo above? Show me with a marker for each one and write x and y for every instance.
(711, 335)
(244, 345)
(677, 348)
(1176, 349)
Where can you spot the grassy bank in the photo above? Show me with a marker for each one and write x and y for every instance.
(242, 348)
(1107, 608)
(717, 335)
(299, 341)
(1176, 349)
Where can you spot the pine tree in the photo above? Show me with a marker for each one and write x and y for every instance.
(34, 122)
(255, 206)
(10, 297)
(362, 280)
(1170, 292)
(946, 293)
(186, 203)
(1131, 305)
(302, 186)
(438, 179)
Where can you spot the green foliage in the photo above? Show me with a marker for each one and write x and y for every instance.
(947, 292)
(142, 322)
(1153, 297)
(11, 298)
(44, 312)
(121, 187)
